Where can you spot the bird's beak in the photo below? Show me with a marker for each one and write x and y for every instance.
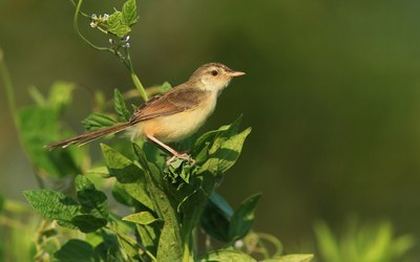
(236, 73)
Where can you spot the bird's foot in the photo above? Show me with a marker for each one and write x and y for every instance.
(182, 156)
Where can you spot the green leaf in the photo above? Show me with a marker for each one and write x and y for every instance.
(291, 258)
(89, 197)
(220, 148)
(117, 26)
(98, 120)
(129, 175)
(60, 94)
(75, 250)
(225, 255)
(243, 218)
(216, 217)
(52, 205)
(120, 106)
(129, 12)
(142, 218)
(169, 245)
(88, 223)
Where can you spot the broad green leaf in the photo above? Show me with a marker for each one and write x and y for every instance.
(88, 223)
(75, 250)
(129, 12)
(60, 94)
(116, 24)
(227, 255)
(121, 195)
(220, 149)
(243, 218)
(129, 175)
(98, 120)
(142, 218)
(89, 197)
(291, 258)
(169, 245)
(216, 217)
(52, 205)
(120, 106)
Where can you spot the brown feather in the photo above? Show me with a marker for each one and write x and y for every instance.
(177, 100)
(89, 136)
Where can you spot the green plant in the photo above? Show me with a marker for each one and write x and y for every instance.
(366, 243)
(157, 212)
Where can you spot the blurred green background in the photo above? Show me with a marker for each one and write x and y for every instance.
(332, 92)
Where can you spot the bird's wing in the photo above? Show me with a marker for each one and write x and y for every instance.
(175, 101)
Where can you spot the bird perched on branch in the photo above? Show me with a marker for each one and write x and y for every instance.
(173, 116)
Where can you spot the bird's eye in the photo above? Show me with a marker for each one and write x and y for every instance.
(214, 73)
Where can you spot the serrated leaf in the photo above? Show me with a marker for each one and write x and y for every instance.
(227, 255)
(142, 218)
(129, 12)
(120, 106)
(75, 250)
(291, 258)
(52, 205)
(128, 174)
(243, 218)
(117, 26)
(98, 120)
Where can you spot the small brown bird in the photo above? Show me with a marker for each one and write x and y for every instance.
(172, 116)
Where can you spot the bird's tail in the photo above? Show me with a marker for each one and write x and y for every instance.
(89, 136)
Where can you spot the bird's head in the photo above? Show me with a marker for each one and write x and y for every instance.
(214, 76)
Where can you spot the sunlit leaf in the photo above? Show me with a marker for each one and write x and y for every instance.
(129, 12)
(142, 218)
(53, 205)
(116, 24)
(225, 255)
(291, 258)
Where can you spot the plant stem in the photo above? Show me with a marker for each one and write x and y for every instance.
(10, 95)
(126, 61)
(76, 28)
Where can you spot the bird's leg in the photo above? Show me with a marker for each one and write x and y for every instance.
(175, 154)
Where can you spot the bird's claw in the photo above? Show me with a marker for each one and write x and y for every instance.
(183, 156)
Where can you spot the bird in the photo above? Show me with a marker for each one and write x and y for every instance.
(171, 117)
